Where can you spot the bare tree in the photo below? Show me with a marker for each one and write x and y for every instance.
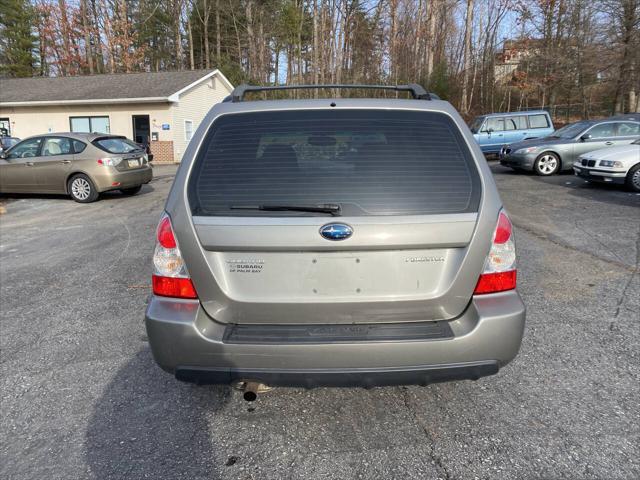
(464, 106)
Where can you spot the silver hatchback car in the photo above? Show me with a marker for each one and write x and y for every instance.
(334, 242)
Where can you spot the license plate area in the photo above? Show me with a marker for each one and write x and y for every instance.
(329, 276)
(133, 163)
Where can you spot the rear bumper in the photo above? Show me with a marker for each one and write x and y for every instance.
(185, 341)
(112, 179)
(363, 377)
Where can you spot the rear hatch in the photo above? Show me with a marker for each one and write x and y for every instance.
(131, 155)
(399, 194)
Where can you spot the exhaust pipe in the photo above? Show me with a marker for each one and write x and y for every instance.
(250, 391)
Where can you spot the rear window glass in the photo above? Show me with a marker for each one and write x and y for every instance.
(116, 145)
(370, 162)
(538, 121)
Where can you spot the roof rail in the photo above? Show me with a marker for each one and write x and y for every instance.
(417, 91)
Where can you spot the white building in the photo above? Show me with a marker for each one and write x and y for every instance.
(159, 108)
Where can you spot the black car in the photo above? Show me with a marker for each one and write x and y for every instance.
(147, 149)
(7, 142)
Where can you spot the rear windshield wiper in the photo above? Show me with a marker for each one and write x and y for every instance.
(331, 209)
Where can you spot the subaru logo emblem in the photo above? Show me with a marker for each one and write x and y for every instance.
(336, 231)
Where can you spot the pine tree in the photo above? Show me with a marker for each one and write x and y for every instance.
(17, 57)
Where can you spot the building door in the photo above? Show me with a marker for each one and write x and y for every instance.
(5, 127)
(141, 129)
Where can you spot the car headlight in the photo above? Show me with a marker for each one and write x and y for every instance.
(611, 163)
(526, 150)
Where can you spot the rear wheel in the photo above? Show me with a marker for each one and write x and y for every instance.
(547, 164)
(81, 189)
(633, 178)
(131, 191)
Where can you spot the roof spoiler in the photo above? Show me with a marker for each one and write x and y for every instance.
(417, 91)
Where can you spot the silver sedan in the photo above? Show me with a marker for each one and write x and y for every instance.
(558, 151)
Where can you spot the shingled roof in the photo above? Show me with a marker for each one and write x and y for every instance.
(109, 88)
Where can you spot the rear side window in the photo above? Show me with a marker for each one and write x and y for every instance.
(538, 121)
(515, 123)
(628, 129)
(116, 145)
(78, 146)
(370, 162)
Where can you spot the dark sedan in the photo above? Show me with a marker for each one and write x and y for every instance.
(7, 142)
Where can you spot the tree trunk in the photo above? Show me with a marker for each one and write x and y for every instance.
(110, 40)
(64, 32)
(466, 64)
(393, 7)
(625, 81)
(87, 35)
(177, 11)
(315, 46)
(251, 47)
(218, 34)
(97, 38)
(238, 44)
(190, 32)
(431, 39)
(205, 33)
(276, 53)
(300, 25)
(263, 63)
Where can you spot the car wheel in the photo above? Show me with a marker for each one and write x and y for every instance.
(633, 178)
(547, 164)
(81, 189)
(131, 191)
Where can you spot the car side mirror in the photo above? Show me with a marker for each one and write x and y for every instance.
(585, 137)
(489, 130)
(3, 155)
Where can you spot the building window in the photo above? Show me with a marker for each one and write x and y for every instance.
(90, 124)
(188, 130)
(5, 127)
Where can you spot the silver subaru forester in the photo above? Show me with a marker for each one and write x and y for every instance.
(334, 242)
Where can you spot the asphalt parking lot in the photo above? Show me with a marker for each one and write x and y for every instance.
(82, 398)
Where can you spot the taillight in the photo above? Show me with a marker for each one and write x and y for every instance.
(499, 273)
(170, 277)
(110, 161)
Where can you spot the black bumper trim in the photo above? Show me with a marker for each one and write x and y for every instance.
(336, 333)
(356, 377)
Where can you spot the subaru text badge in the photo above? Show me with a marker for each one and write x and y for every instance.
(336, 231)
